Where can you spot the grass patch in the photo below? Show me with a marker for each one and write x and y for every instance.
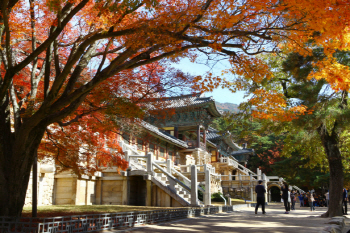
(233, 201)
(65, 210)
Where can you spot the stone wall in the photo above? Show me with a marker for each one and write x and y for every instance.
(71, 190)
(45, 186)
(161, 198)
(111, 189)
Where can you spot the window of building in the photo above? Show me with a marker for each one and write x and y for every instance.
(213, 156)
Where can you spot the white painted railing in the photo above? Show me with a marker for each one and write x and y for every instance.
(237, 165)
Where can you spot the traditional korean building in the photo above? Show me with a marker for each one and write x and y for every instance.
(167, 157)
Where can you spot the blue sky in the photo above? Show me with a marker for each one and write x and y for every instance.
(220, 95)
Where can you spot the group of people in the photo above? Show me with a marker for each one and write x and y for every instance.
(289, 199)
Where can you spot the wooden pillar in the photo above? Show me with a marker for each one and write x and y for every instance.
(198, 136)
(205, 137)
(176, 132)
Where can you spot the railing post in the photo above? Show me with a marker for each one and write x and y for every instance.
(251, 187)
(194, 188)
(230, 176)
(127, 158)
(207, 194)
(150, 163)
(168, 165)
(265, 184)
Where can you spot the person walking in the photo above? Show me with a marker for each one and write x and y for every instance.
(293, 200)
(285, 197)
(311, 199)
(345, 202)
(301, 199)
(327, 199)
(260, 197)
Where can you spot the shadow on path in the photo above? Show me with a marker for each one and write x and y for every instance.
(302, 220)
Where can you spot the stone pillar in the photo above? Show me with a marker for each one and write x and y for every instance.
(194, 188)
(127, 158)
(198, 136)
(168, 166)
(197, 156)
(149, 193)
(259, 174)
(207, 194)
(265, 184)
(150, 163)
(269, 196)
(125, 193)
(251, 187)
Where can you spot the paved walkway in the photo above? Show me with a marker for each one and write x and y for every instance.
(244, 220)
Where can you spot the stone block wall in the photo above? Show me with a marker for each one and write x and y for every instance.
(45, 187)
(71, 190)
(161, 198)
(111, 189)
(65, 191)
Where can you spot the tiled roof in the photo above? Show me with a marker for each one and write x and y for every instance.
(212, 134)
(163, 134)
(191, 100)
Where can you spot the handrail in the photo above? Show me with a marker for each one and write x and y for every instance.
(138, 156)
(223, 198)
(182, 176)
(172, 177)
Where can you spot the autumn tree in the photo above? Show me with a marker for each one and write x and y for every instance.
(315, 132)
(56, 54)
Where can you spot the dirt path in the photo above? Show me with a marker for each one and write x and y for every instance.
(299, 221)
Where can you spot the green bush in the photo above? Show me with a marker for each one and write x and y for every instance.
(217, 198)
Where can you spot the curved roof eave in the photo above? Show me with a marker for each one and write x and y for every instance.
(167, 137)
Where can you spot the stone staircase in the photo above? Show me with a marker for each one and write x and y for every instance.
(163, 179)
(177, 189)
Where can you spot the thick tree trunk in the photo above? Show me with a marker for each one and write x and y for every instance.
(336, 180)
(16, 158)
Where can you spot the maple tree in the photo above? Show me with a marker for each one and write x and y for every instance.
(58, 56)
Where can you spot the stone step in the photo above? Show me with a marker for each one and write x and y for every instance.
(182, 192)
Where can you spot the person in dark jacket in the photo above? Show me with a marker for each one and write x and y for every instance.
(260, 197)
(292, 199)
(284, 190)
(345, 202)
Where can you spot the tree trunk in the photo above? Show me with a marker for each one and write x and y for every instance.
(17, 152)
(336, 179)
